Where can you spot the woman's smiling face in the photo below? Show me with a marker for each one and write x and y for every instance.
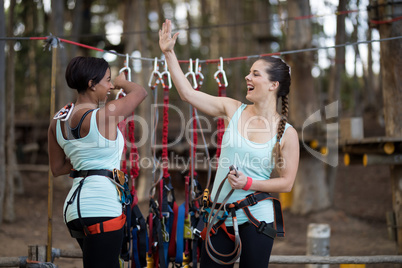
(104, 86)
(258, 81)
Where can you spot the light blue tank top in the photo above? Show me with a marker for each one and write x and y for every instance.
(99, 197)
(253, 159)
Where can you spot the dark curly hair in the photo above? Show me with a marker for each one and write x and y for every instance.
(81, 70)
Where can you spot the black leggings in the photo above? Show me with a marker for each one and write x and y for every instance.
(99, 250)
(256, 248)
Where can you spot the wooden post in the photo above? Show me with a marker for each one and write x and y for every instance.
(318, 237)
(37, 253)
(381, 148)
(50, 177)
(391, 68)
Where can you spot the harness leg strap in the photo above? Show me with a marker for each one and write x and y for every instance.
(266, 229)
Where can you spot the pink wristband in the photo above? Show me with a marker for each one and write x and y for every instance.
(248, 184)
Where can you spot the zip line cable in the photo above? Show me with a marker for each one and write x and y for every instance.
(51, 39)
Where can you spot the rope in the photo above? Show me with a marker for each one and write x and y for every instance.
(225, 59)
(134, 159)
(123, 130)
(220, 122)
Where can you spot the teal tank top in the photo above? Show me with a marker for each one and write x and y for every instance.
(99, 197)
(251, 158)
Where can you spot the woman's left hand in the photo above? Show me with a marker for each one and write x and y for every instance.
(166, 40)
(120, 81)
(239, 181)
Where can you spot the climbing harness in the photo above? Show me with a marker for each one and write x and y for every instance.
(135, 229)
(159, 220)
(120, 180)
(192, 223)
(216, 221)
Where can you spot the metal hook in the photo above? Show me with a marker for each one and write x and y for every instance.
(221, 71)
(198, 72)
(155, 75)
(126, 69)
(191, 73)
(166, 74)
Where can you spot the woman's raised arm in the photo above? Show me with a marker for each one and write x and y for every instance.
(214, 106)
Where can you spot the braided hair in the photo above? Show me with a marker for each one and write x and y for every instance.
(278, 70)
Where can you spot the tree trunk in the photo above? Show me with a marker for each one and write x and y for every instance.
(334, 92)
(63, 94)
(370, 102)
(339, 66)
(9, 214)
(77, 18)
(141, 44)
(310, 188)
(2, 109)
(391, 68)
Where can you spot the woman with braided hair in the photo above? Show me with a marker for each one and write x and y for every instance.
(257, 140)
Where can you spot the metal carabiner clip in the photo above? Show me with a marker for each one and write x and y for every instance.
(156, 76)
(222, 72)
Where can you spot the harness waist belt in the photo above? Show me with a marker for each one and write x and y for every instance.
(86, 173)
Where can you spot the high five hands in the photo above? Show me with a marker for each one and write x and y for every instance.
(166, 40)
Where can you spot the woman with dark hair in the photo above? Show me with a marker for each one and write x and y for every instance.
(86, 143)
(257, 139)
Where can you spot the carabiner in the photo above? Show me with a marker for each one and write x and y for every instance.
(198, 75)
(155, 75)
(126, 69)
(222, 72)
(166, 74)
(191, 73)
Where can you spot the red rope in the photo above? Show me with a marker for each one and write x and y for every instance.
(194, 135)
(385, 21)
(220, 123)
(165, 130)
(123, 130)
(134, 158)
(81, 45)
(150, 236)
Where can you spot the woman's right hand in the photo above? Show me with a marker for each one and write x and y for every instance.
(166, 41)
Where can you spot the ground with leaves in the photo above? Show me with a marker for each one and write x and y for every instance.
(357, 220)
